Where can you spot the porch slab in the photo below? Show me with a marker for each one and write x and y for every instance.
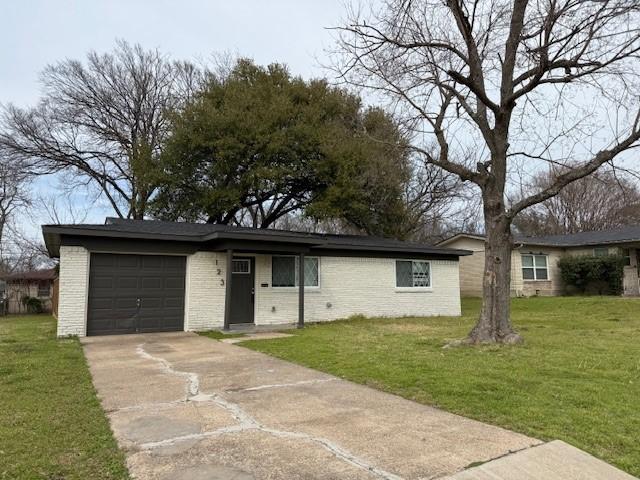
(256, 336)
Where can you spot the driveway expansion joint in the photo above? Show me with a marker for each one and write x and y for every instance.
(246, 422)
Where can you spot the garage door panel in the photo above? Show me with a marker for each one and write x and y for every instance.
(116, 283)
(150, 283)
(153, 303)
(125, 324)
(102, 304)
(174, 283)
(103, 282)
(102, 261)
(126, 303)
(125, 282)
(173, 302)
(174, 262)
(126, 261)
(101, 324)
(153, 262)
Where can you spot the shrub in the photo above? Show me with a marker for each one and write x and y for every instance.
(592, 275)
(32, 304)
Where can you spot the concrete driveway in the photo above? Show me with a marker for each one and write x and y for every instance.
(187, 407)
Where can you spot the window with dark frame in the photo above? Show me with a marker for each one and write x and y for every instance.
(535, 267)
(413, 274)
(600, 251)
(241, 266)
(44, 289)
(625, 253)
(284, 271)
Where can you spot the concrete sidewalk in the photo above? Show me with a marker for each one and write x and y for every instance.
(553, 460)
(187, 407)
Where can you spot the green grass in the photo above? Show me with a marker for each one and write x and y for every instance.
(576, 378)
(218, 335)
(51, 424)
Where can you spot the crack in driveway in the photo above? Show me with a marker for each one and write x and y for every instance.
(246, 422)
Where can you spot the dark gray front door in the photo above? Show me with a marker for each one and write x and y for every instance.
(242, 290)
(135, 293)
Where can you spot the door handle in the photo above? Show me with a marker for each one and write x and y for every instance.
(138, 302)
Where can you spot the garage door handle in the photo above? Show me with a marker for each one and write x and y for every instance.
(138, 302)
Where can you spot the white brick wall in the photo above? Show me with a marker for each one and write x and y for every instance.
(351, 285)
(204, 301)
(354, 285)
(74, 281)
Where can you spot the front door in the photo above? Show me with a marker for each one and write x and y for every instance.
(242, 290)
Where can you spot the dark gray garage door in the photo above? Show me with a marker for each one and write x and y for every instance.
(135, 293)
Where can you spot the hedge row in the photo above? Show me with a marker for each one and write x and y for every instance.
(592, 275)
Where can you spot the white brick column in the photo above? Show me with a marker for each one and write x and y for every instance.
(74, 289)
(205, 291)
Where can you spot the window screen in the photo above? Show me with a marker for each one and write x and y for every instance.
(284, 271)
(413, 273)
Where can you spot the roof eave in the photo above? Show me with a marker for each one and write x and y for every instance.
(455, 237)
(53, 238)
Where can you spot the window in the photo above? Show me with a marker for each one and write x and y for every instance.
(241, 266)
(44, 290)
(284, 271)
(625, 253)
(534, 267)
(600, 252)
(413, 274)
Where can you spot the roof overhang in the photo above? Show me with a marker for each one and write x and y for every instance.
(458, 236)
(273, 241)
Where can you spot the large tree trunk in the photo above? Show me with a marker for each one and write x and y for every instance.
(494, 325)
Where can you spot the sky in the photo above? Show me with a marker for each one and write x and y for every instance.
(35, 33)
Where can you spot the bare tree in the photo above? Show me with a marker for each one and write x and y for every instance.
(492, 89)
(14, 195)
(104, 121)
(60, 209)
(432, 196)
(601, 201)
(22, 252)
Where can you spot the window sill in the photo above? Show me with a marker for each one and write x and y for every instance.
(535, 281)
(413, 289)
(296, 289)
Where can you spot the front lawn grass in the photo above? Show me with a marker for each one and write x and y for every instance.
(576, 378)
(51, 424)
(218, 335)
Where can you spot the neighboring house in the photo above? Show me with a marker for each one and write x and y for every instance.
(131, 276)
(36, 283)
(534, 260)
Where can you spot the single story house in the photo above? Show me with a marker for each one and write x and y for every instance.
(534, 260)
(127, 276)
(34, 283)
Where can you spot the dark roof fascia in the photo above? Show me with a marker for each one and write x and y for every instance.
(242, 241)
(255, 246)
(409, 255)
(394, 249)
(541, 243)
(89, 232)
(129, 245)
